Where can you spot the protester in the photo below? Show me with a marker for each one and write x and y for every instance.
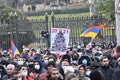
(95, 63)
(55, 74)
(105, 68)
(46, 75)
(81, 72)
(96, 74)
(38, 66)
(16, 76)
(31, 64)
(24, 72)
(21, 61)
(10, 69)
(33, 75)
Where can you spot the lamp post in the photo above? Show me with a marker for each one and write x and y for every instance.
(47, 31)
(13, 18)
(52, 18)
(92, 7)
(113, 31)
(46, 19)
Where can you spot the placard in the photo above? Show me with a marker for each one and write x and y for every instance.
(118, 8)
(59, 40)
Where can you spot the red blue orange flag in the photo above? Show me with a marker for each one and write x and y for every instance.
(14, 49)
(92, 31)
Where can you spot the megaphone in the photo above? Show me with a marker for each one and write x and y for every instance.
(86, 60)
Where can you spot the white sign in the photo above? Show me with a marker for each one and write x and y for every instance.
(59, 40)
(117, 17)
(118, 8)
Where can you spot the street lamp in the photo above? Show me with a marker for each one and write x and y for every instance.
(52, 18)
(46, 33)
(46, 19)
(13, 17)
(13, 20)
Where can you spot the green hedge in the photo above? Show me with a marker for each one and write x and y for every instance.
(58, 11)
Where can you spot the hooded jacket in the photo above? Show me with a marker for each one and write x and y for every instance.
(41, 70)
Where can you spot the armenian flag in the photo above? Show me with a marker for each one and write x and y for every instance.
(14, 49)
(92, 31)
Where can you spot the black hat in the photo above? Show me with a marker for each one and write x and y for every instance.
(66, 56)
(51, 63)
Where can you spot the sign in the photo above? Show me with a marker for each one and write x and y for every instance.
(59, 40)
(118, 8)
(117, 17)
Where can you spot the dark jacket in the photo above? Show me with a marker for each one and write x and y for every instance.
(2, 71)
(42, 69)
(96, 75)
(116, 74)
(5, 77)
(107, 72)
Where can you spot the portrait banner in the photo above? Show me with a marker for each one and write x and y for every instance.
(59, 40)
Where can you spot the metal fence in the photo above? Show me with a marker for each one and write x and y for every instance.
(28, 32)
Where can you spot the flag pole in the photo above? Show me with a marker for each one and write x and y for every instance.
(91, 40)
(90, 43)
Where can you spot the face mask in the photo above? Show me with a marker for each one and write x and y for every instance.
(84, 61)
(46, 61)
(37, 67)
(88, 73)
(64, 67)
(24, 73)
(20, 62)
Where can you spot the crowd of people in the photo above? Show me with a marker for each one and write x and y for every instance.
(81, 62)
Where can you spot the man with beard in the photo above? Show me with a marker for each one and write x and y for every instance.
(10, 70)
(55, 75)
(105, 69)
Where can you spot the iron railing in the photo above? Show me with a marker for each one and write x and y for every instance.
(26, 32)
